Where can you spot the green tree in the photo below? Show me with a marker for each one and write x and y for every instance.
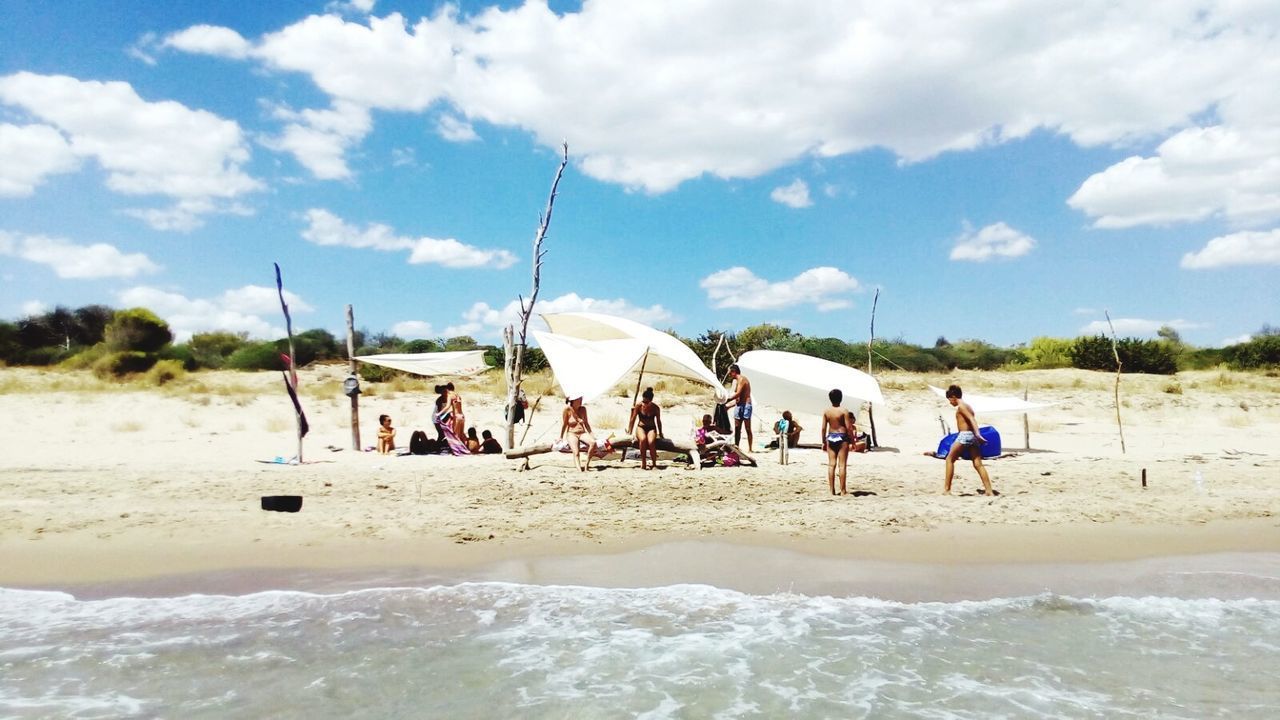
(762, 337)
(211, 349)
(137, 329)
(461, 342)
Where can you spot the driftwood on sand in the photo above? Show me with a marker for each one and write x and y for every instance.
(665, 444)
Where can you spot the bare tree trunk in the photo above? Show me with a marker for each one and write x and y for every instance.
(871, 417)
(355, 397)
(515, 371)
(1115, 350)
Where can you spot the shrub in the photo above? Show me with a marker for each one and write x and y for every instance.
(86, 358)
(137, 329)
(180, 354)
(1262, 351)
(121, 363)
(262, 355)
(1136, 356)
(164, 371)
(212, 349)
(1046, 353)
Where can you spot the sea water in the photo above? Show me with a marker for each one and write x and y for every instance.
(504, 650)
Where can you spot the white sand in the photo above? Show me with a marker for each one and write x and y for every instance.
(131, 483)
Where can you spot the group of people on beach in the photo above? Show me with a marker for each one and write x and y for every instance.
(451, 429)
(839, 432)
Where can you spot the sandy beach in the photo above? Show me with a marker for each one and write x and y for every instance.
(101, 483)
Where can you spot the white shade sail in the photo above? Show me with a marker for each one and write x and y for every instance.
(801, 383)
(589, 368)
(983, 404)
(460, 363)
(667, 355)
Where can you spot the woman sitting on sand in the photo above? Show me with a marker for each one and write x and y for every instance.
(646, 418)
(574, 421)
(473, 442)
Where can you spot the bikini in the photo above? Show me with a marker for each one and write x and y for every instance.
(836, 439)
(574, 424)
(644, 421)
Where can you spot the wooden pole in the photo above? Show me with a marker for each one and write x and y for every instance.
(1115, 350)
(636, 397)
(871, 417)
(1026, 424)
(355, 397)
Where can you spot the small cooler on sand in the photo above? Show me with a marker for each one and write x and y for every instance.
(990, 449)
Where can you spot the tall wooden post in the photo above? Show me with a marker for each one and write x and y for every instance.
(355, 397)
(1026, 424)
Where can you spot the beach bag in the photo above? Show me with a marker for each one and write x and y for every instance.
(419, 444)
(731, 459)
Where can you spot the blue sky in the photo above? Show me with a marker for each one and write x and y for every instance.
(998, 171)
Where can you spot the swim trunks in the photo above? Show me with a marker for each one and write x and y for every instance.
(835, 440)
(742, 412)
(966, 438)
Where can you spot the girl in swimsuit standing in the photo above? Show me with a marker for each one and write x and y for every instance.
(574, 421)
(838, 429)
(646, 418)
(455, 406)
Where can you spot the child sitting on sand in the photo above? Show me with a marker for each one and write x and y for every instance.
(386, 435)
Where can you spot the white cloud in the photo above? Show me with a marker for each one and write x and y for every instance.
(34, 307)
(482, 320)
(404, 157)
(238, 310)
(1237, 340)
(997, 240)
(210, 40)
(413, 330)
(779, 81)
(358, 7)
(1134, 327)
(738, 287)
(1242, 248)
(325, 228)
(795, 195)
(147, 148)
(319, 139)
(455, 129)
(76, 262)
(1200, 172)
(29, 154)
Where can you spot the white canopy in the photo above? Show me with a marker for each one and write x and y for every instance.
(461, 363)
(983, 404)
(589, 368)
(667, 355)
(801, 383)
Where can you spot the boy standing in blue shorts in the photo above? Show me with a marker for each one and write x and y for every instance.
(969, 438)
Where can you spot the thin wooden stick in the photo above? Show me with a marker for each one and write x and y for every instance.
(1115, 350)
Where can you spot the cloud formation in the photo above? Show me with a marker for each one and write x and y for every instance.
(146, 148)
(483, 320)
(779, 81)
(76, 262)
(994, 241)
(1242, 248)
(737, 287)
(795, 195)
(1133, 327)
(238, 310)
(325, 228)
(29, 154)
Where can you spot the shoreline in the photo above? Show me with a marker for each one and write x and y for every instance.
(960, 562)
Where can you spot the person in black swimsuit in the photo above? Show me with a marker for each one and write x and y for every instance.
(646, 418)
(838, 431)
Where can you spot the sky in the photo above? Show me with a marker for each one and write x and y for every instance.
(996, 170)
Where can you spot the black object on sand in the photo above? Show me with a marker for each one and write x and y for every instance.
(282, 503)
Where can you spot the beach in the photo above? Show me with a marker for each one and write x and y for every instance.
(101, 483)
(133, 540)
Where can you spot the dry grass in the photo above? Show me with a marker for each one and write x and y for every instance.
(277, 425)
(127, 426)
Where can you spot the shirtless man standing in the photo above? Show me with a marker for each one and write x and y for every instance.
(969, 437)
(740, 401)
(838, 431)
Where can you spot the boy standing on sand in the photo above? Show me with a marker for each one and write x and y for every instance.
(740, 400)
(838, 431)
(969, 437)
